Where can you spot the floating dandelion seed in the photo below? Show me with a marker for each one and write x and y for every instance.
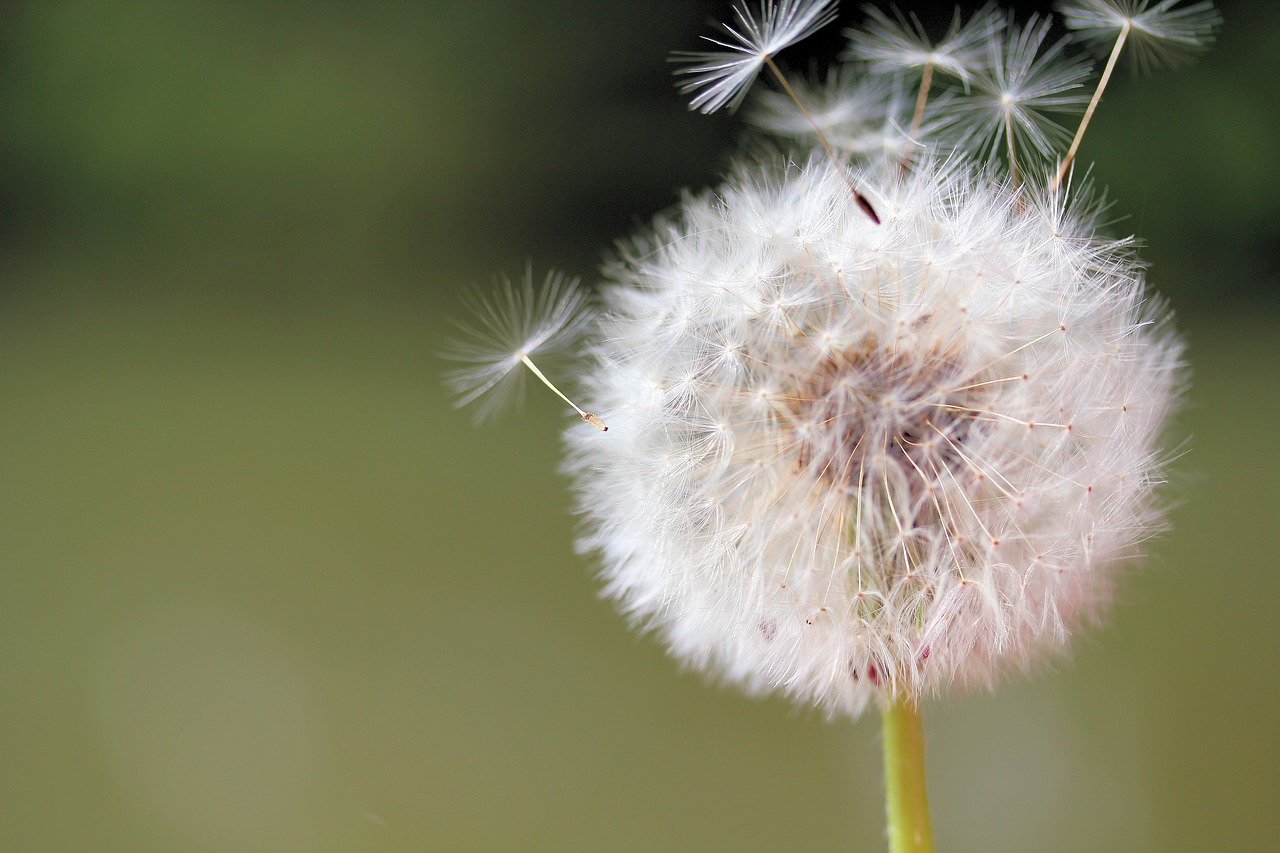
(844, 108)
(890, 45)
(1166, 33)
(1013, 102)
(722, 77)
(1162, 34)
(862, 116)
(507, 329)
(895, 45)
(725, 77)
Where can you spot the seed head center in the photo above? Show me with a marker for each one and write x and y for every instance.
(874, 410)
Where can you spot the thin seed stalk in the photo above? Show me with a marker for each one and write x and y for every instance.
(858, 197)
(1013, 154)
(590, 418)
(1088, 113)
(926, 82)
(906, 798)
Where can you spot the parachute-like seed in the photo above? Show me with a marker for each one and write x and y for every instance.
(1011, 105)
(889, 45)
(507, 329)
(721, 77)
(1166, 33)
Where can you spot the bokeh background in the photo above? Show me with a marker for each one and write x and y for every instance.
(262, 589)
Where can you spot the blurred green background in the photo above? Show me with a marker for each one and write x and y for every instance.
(262, 589)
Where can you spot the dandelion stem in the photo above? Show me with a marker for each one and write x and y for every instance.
(594, 420)
(1088, 113)
(822, 138)
(906, 798)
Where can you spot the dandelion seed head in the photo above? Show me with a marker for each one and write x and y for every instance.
(934, 445)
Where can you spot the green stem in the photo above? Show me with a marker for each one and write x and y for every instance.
(906, 799)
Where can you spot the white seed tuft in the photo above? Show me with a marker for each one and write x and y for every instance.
(889, 45)
(1013, 102)
(507, 329)
(721, 77)
(1166, 33)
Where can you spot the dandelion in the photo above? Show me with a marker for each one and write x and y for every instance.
(857, 463)
(864, 460)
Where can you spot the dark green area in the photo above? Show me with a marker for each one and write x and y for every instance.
(262, 589)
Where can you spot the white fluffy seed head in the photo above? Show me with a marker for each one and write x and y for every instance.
(851, 461)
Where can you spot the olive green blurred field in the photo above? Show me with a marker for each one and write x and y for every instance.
(262, 589)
